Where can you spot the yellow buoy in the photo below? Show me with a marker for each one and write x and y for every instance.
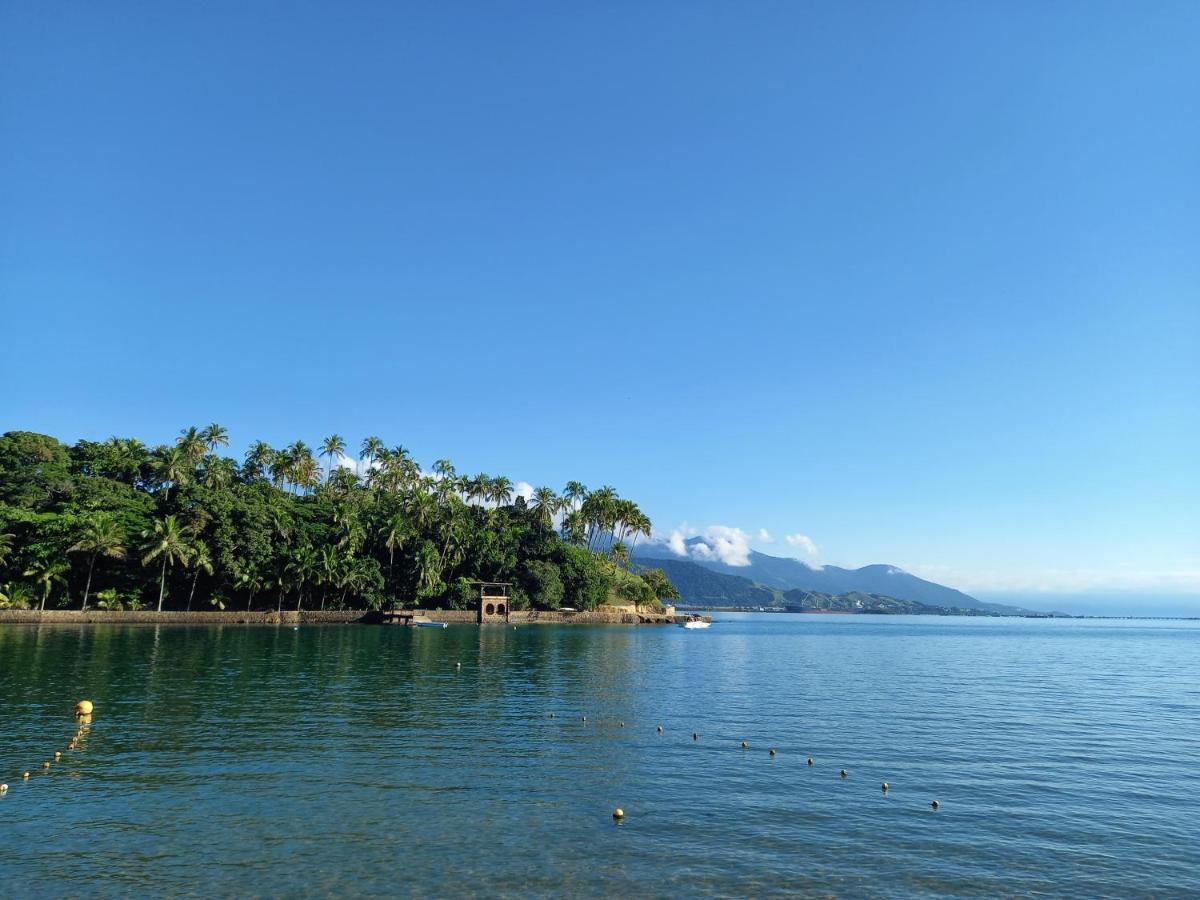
(58, 754)
(845, 774)
(618, 813)
(83, 708)
(45, 765)
(25, 776)
(3, 788)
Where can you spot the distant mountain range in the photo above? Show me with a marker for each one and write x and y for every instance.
(773, 581)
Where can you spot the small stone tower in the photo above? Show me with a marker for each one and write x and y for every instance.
(493, 602)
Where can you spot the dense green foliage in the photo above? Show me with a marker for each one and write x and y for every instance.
(122, 525)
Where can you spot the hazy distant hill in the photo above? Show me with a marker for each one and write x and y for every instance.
(775, 577)
(700, 586)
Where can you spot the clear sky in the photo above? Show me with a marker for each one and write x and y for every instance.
(917, 281)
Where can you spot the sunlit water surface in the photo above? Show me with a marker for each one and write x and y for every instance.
(231, 761)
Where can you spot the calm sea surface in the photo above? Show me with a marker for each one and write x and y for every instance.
(236, 761)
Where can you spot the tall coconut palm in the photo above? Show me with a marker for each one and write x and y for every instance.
(332, 446)
(102, 536)
(250, 579)
(191, 443)
(501, 490)
(327, 572)
(370, 451)
(46, 575)
(219, 472)
(545, 503)
(173, 468)
(258, 460)
(395, 533)
(280, 467)
(200, 560)
(573, 495)
(303, 569)
(215, 436)
(166, 541)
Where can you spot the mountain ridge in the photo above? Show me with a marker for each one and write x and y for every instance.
(775, 576)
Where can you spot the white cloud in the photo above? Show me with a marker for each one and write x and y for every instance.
(676, 543)
(523, 489)
(802, 542)
(730, 545)
(765, 536)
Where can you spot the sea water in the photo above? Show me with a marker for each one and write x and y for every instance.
(374, 760)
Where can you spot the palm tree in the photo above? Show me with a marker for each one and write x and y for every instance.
(6, 545)
(252, 582)
(215, 436)
(327, 573)
(370, 450)
(258, 460)
(573, 494)
(395, 534)
(332, 446)
(173, 468)
(545, 503)
(191, 442)
(102, 536)
(280, 467)
(303, 568)
(219, 472)
(46, 575)
(166, 541)
(200, 560)
(501, 490)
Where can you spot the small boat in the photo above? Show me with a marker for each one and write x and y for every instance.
(425, 623)
(695, 622)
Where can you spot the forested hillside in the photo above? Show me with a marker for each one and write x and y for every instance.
(122, 525)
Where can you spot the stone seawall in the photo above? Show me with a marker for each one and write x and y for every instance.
(316, 617)
(174, 617)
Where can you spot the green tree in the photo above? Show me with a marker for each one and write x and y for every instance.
(215, 436)
(192, 444)
(102, 536)
(167, 542)
(199, 560)
(545, 503)
(370, 450)
(332, 447)
(47, 574)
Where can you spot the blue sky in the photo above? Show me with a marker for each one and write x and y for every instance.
(918, 281)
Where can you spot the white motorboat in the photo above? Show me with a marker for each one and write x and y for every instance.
(425, 623)
(696, 622)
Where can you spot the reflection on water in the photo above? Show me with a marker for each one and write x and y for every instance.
(231, 760)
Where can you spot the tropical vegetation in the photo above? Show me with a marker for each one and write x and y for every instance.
(121, 524)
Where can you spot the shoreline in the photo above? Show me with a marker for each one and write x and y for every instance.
(320, 617)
